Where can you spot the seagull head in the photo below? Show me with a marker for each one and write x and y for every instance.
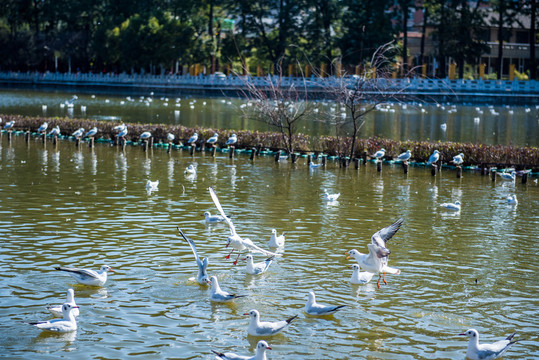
(106, 268)
(311, 296)
(253, 314)
(457, 202)
(67, 307)
(248, 257)
(273, 232)
(352, 253)
(206, 214)
(354, 267)
(471, 333)
(262, 345)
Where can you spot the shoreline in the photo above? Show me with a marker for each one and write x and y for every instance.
(476, 156)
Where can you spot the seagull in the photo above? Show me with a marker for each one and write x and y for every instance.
(405, 156)
(87, 276)
(171, 137)
(55, 131)
(43, 127)
(380, 154)
(234, 240)
(191, 170)
(193, 138)
(257, 268)
(213, 139)
(492, 351)
(434, 157)
(360, 277)
(70, 103)
(451, 206)
(260, 353)
(122, 132)
(459, 159)
(276, 241)
(145, 135)
(266, 328)
(66, 324)
(313, 165)
(56, 310)
(232, 140)
(119, 128)
(312, 308)
(219, 295)
(212, 218)
(91, 133)
(152, 185)
(331, 197)
(78, 133)
(443, 127)
(508, 176)
(202, 276)
(512, 199)
(9, 125)
(376, 260)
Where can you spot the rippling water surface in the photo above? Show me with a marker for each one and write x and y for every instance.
(66, 207)
(488, 124)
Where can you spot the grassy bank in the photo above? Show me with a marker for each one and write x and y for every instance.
(474, 154)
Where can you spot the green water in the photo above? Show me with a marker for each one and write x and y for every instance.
(62, 206)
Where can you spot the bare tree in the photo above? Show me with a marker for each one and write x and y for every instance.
(279, 101)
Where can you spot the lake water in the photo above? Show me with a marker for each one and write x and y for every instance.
(493, 124)
(62, 206)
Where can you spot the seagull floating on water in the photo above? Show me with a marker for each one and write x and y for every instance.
(276, 241)
(266, 328)
(191, 170)
(213, 139)
(260, 353)
(313, 165)
(218, 295)
(360, 277)
(512, 199)
(209, 218)
(376, 260)
(232, 140)
(313, 308)
(458, 159)
(257, 268)
(152, 185)
(508, 176)
(434, 157)
(405, 156)
(202, 275)
(331, 197)
(234, 240)
(66, 324)
(193, 138)
(492, 351)
(56, 310)
(451, 206)
(88, 276)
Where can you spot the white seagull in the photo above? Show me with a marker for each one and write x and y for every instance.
(451, 206)
(145, 135)
(331, 197)
(122, 132)
(492, 351)
(260, 353)
(405, 156)
(55, 131)
(259, 267)
(9, 125)
(88, 276)
(380, 154)
(202, 275)
(459, 159)
(276, 241)
(152, 185)
(376, 260)
(313, 308)
(512, 199)
(56, 310)
(313, 165)
(266, 328)
(219, 295)
(193, 138)
(434, 157)
(360, 277)
(43, 127)
(78, 133)
(170, 137)
(91, 133)
(508, 176)
(119, 128)
(234, 240)
(232, 140)
(66, 324)
(213, 139)
(191, 170)
(209, 218)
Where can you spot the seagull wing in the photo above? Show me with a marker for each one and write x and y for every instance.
(249, 244)
(381, 237)
(83, 273)
(193, 247)
(220, 208)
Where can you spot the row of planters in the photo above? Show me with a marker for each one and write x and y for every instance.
(474, 154)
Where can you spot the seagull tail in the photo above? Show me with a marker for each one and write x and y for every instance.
(339, 307)
(239, 296)
(289, 320)
(218, 354)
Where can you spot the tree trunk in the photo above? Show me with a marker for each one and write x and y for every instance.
(211, 35)
(423, 35)
(501, 10)
(533, 61)
(441, 44)
(405, 38)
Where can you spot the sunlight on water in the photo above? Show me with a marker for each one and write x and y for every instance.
(62, 206)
